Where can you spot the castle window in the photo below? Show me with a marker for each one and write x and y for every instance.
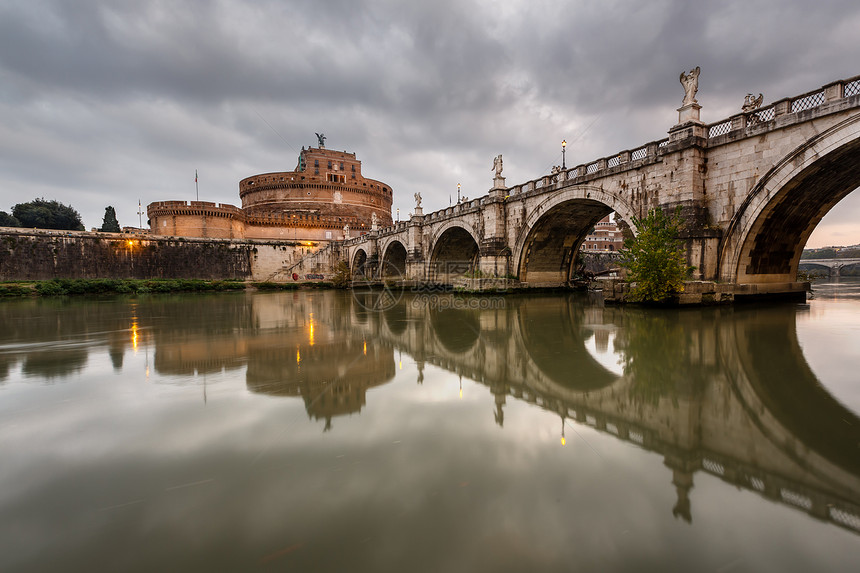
(341, 165)
(329, 164)
(316, 171)
(353, 168)
(316, 162)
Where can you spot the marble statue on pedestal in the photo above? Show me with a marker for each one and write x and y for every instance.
(691, 85)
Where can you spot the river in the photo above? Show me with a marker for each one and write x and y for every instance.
(388, 431)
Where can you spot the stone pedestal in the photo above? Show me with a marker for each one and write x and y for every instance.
(497, 193)
(499, 182)
(689, 113)
(419, 212)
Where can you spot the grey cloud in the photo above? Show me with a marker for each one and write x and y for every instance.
(425, 93)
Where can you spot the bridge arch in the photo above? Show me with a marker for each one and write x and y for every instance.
(544, 252)
(393, 260)
(359, 261)
(765, 238)
(454, 252)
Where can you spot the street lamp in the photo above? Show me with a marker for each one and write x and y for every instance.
(458, 193)
(398, 214)
(563, 149)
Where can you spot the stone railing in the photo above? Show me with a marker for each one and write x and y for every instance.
(622, 160)
(827, 94)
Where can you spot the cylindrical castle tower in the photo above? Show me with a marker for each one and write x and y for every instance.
(325, 193)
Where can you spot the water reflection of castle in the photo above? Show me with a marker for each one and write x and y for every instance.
(291, 347)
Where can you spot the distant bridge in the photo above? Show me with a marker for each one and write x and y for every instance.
(834, 266)
(751, 188)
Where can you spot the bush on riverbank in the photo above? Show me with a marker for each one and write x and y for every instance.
(268, 285)
(14, 290)
(59, 287)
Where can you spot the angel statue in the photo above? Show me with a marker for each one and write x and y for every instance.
(751, 102)
(321, 139)
(691, 85)
(417, 197)
(497, 165)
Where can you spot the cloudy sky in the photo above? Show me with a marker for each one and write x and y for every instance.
(107, 103)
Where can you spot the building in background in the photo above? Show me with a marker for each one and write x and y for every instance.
(313, 203)
(605, 237)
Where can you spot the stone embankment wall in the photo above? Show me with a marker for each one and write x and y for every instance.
(599, 263)
(33, 254)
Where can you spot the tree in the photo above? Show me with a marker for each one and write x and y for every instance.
(44, 214)
(655, 258)
(110, 223)
(7, 220)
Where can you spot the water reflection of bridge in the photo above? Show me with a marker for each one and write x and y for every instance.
(724, 391)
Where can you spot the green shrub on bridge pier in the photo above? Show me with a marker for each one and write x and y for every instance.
(655, 259)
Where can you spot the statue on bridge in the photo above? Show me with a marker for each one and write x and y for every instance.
(691, 85)
(321, 139)
(497, 165)
(752, 103)
(417, 197)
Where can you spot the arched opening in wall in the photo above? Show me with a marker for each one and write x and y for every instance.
(359, 264)
(767, 236)
(549, 252)
(455, 254)
(394, 261)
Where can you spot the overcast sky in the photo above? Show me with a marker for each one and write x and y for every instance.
(107, 103)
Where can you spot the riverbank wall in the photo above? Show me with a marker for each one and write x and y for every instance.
(38, 254)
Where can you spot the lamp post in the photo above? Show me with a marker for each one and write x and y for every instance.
(398, 214)
(563, 149)
(458, 193)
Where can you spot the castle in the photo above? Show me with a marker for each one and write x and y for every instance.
(323, 199)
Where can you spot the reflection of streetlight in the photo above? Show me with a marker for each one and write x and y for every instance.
(563, 149)
(563, 441)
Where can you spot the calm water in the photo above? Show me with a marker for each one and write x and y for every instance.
(312, 431)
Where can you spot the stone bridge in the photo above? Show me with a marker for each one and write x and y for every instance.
(751, 188)
(834, 266)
